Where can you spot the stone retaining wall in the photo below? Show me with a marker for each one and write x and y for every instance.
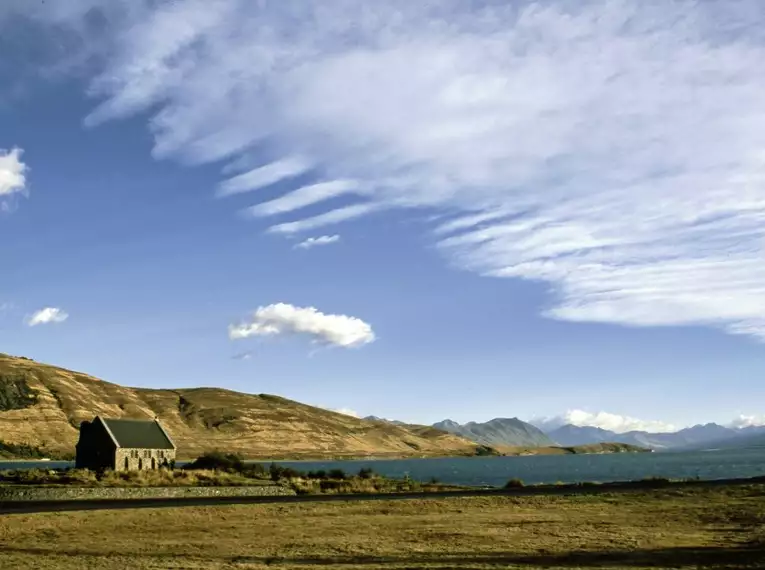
(39, 493)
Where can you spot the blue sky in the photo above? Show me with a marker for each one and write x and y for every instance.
(509, 212)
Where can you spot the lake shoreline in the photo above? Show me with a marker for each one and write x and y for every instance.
(496, 471)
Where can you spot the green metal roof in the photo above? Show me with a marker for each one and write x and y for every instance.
(138, 433)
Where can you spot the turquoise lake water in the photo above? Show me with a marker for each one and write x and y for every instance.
(494, 471)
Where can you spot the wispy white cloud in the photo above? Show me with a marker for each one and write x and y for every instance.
(12, 172)
(623, 140)
(303, 197)
(603, 420)
(317, 241)
(263, 176)
(242, 355)
(285, 319)
(332, 217)
(46, 316)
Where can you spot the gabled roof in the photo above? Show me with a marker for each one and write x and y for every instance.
(137, 433)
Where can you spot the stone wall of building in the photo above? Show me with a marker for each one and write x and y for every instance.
(40, 493)
(143, 459)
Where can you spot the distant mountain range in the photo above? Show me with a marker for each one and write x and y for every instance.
(513, 432)
(498, 432)
(704, 436)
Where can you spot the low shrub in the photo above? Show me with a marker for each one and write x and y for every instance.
(655, 480)
(278, 472)
(366, 473)
(336, 474)
(514, 483)
(218, 461)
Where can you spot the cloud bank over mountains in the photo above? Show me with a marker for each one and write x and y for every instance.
(613, 149)
(603, 420)
(622, 424)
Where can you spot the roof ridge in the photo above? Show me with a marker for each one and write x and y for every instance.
(108, 430)
(164, 431)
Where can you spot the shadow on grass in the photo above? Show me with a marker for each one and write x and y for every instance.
(745, 556)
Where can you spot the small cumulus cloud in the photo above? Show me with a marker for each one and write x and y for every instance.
(46, 316)
(12, 172)
(285, 319)
(317, 241)
(604, 420)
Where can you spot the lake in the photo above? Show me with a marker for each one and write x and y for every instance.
(495, 471)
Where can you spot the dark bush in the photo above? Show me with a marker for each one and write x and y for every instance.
(485, 450)
(256, 471)
(655, 481)
(336, 474)
(320, 474)
(366, 473)
(514, 483)
(218, 461)
(279, 472)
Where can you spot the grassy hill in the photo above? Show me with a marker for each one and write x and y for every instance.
(41, 408)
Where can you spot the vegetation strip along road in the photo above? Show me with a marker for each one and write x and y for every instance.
(26, 507)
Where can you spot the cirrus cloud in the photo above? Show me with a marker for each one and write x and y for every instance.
(317, 241)
(285, 319)
(623, 141)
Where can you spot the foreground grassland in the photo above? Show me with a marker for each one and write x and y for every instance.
(680, 528)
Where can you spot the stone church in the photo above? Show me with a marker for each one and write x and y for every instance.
(124, 445)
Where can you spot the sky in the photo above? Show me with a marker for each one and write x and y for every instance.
(462, 209)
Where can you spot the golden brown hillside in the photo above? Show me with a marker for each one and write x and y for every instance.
(42, 406)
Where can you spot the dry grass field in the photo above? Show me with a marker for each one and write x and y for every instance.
(720, 527)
